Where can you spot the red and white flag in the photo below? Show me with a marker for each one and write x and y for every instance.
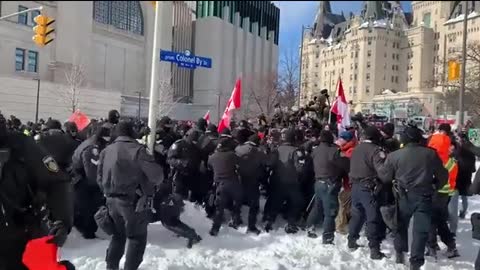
(207, 117)
(340, 108)
(233, 103)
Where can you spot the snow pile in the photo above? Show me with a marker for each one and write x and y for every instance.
(461, 17)
(237, 250)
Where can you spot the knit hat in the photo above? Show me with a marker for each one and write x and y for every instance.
(388, 129)
(372, 133)
(346, 135)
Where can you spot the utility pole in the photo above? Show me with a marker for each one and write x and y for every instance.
(464, 67)
(153, 104)
(38, 99)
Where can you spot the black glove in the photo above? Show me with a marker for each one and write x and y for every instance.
(59, 233)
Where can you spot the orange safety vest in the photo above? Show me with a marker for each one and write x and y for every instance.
(452, 169)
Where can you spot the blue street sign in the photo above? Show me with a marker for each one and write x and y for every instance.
(185, 59)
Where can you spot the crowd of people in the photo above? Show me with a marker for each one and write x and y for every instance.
(311, 174)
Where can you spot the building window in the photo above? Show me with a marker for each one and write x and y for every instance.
(356, 65)
(351, 65)
(398, 56)
(368, 76)
(35, 13)
(342, 70)
(368, 64)
(393, 79)
(393, 67)
(385, 55)
(351, 76)
(426, 19)
(356, 54)
(316, 74)
(19, 59)
(316, 65)
(350, 90)
(316, 55)
(396, 79)
(355, 77)
(369, 42)
(354, 89)
(22, 18)
(124, 15)
(369, 53)
(367, 89)
(393, 56)
(32, 61)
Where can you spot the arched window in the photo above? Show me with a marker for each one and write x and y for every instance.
(124, 15)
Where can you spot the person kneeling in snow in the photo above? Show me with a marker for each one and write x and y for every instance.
(168, 207)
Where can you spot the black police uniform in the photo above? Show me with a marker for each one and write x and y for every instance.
(224, 164)
(88, 197)
(60, 146)
(367, 159)
(127, 176)
(168, 208)
(252, 168)
(326, 159)
(184, 159)
(284, 186)
(419, 172)
(29, 178)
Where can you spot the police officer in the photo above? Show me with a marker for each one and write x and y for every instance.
(58, 144)
(366, 161)
(284, 184)
(224, 164)
(88, 197)
(127, 176)
(389, 142)
(419, 172)
(164, 139)
(242, 133)
(184, 159)
(208, 144)
(252, 168)
(29, 179)
(168, 208)
(326, 163)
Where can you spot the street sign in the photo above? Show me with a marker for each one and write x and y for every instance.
(185, 59)
(474, 136)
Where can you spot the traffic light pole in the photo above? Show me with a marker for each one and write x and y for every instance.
(21, 12)
(38, 100)
(464, 67)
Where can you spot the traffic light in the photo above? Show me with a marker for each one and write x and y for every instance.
(453, 70)
(42, 30)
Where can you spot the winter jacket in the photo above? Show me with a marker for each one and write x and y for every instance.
(442, 143)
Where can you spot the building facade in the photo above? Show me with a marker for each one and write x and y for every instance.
(244, 45)
(389, 61)
(106, 46)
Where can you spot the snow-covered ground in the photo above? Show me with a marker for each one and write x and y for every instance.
(237, 250)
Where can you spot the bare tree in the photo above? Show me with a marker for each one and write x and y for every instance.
(262, 94)
(472, 82)
(69, 93)
(166, 93)
(288, 81)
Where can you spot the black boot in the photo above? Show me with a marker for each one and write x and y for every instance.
(376, 254)
(194, 240)
(214, 231)
(253, 229)
(311, 233)
(352, 245)
(399, 258)
(452, 252)
(268, 227)
(290, 229)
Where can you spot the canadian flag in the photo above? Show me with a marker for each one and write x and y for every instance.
(233, 103)
(207, 117)
(340, 108)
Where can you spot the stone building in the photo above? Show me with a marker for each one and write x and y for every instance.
(388, 60)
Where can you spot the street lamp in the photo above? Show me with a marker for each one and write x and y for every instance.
(38, 99)
(301, 63)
